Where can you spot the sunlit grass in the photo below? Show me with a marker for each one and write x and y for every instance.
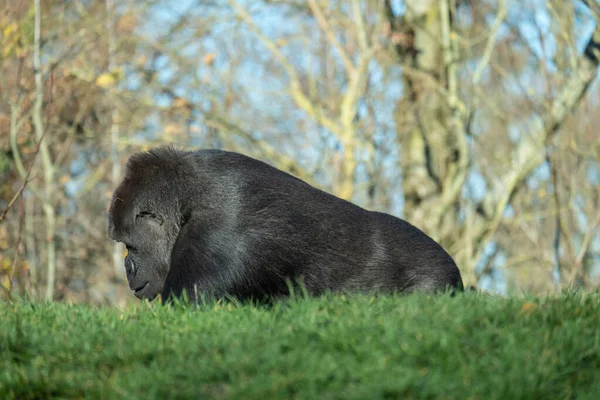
(469, 346)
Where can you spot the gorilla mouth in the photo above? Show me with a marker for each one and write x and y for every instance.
(141, 288)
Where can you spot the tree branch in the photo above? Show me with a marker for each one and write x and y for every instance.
(489, 46)
(301, 100)
(26, 180)
(530, 152)
(324, 24)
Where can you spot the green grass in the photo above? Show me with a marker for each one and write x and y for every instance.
(470, 346)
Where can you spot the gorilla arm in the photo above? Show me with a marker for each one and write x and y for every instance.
(206, 261)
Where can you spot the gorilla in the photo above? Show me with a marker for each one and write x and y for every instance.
(213, 223)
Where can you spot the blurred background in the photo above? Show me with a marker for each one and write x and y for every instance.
(476, 120)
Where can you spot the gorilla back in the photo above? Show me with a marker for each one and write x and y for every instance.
(216, 223)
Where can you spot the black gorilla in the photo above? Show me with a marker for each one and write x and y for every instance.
(217, 223)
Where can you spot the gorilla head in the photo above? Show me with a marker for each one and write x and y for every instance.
(142, 216)
(215, 223)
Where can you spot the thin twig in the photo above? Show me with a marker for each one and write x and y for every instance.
(585, 244)
(326, 27)
(489, 47)
(25, 181)
(19, 237)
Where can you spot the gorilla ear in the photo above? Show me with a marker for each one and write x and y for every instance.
(149, 215)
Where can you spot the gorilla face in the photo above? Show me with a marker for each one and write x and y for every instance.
(147, 241)
(143, 270)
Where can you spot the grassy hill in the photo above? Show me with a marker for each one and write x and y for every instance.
(470, 346)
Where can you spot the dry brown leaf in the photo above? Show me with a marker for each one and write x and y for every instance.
(528, 308)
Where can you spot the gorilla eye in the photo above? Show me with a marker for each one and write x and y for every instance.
(145, 214)
(148, 214)
(130, 248)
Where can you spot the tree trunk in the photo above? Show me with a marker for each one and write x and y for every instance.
(434, 153)
(47, 165)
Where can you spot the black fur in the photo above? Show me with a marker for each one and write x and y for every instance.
(216, 223)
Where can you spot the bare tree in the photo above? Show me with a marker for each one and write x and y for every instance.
(473, 120)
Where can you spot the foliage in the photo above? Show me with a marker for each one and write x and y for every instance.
(470, 346)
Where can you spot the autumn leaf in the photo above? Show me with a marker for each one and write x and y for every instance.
(6, 282)
(209, 59)
(106, 80)
(9, 30)
(6, 265)
(528, 307)
(179, 103)
(127, 23)
(64, 179)
(173, 130)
